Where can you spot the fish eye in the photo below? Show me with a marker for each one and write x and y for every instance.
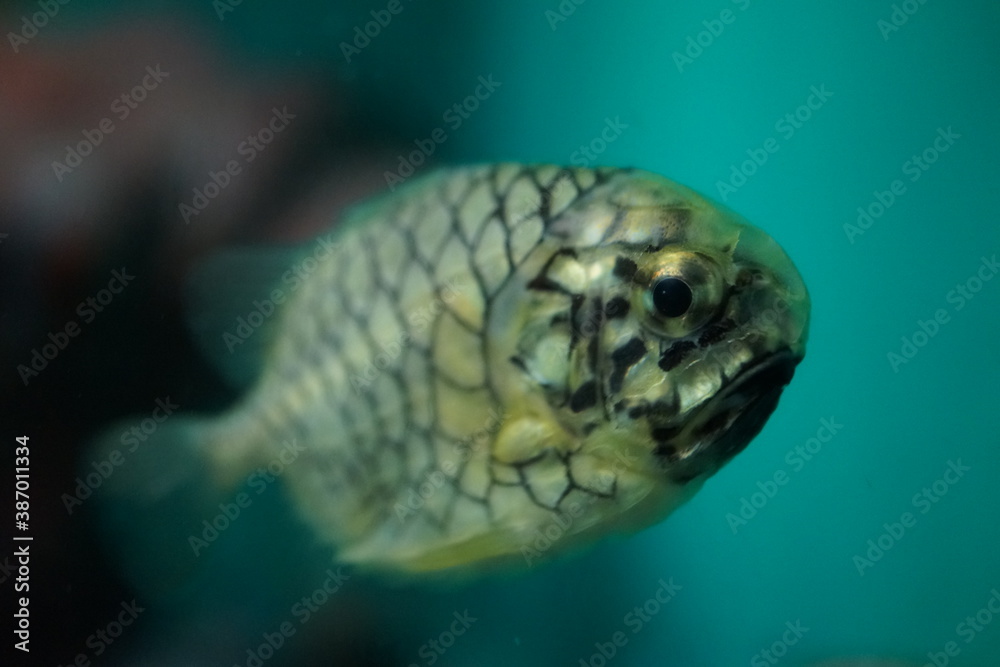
(672, 296)
(680, 292)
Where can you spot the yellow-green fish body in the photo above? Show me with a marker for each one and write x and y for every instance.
(495, 350)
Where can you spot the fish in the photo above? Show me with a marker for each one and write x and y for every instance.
(494, 353)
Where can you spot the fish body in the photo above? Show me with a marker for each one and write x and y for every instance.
(495, 350)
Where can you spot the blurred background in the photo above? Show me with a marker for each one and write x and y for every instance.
(139, 138)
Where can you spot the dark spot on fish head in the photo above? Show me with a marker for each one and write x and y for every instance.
(662, 410)
(622, 359)
(584, 397)
(715, 332)
(667, 451)
(616, 308)
(638, 411)
(625, 269)
(664, 434)
(675, 354)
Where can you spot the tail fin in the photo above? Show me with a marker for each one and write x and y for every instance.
(153, 503)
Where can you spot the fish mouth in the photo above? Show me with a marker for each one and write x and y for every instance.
(726, 424)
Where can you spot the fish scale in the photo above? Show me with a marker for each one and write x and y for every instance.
(354, 308)
(483, 357)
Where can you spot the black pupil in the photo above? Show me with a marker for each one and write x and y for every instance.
(672, 297)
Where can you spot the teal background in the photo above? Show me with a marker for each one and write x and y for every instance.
(795, 559)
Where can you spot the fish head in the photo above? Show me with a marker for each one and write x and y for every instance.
(685, 324)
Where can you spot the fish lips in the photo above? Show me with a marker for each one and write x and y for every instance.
(725, 425)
